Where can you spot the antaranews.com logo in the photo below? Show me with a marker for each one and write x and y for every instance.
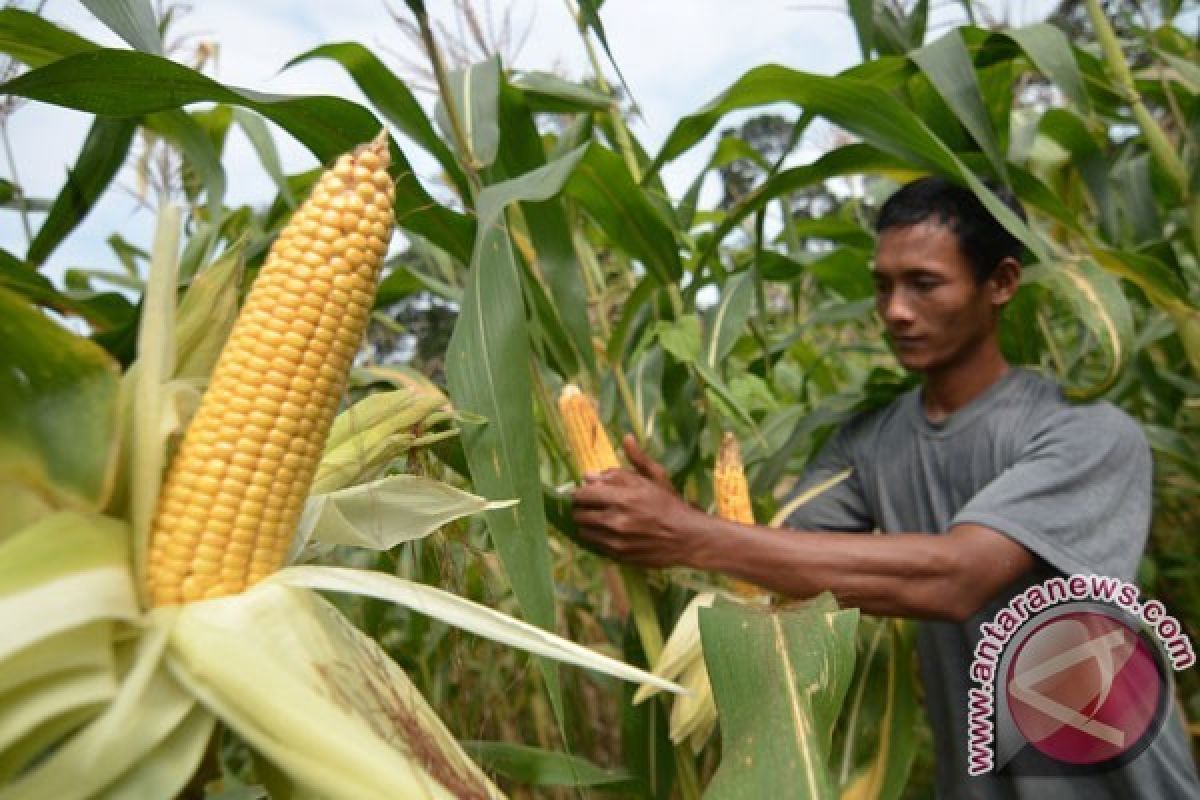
(1083, 685)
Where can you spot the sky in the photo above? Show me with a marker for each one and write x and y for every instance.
(676, 55)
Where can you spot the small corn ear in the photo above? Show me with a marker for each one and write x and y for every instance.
(589, 442)
(233, 495)
(729, 483)
(733, 496)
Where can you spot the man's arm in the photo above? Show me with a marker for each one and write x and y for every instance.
(637, 519)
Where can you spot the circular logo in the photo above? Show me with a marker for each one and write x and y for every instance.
(1085, 688)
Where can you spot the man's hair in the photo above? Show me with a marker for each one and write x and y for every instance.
(983, 241)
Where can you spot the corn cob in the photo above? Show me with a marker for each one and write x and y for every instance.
(234, 493)
(729, 483)
(587, 438)
(733, 496)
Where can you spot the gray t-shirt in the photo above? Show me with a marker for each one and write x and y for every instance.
(1072, 483)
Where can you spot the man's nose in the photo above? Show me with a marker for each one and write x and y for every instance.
(895, 308)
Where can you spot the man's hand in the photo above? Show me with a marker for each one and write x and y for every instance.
(635, 517)
(645, 465)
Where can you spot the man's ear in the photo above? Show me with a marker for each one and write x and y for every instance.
(1004, 281)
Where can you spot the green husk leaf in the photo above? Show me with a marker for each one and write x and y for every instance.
(146, 383)
(340, 719)
(370, 435)
(382, 514)
(166, 770)
(84, 648)
(64, 571)
(462, 613)
(148, 707)
(40, 701)
(206, 315)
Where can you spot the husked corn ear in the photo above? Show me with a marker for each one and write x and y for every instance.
(234, 493)
(586, 436)
(729, 483)
(733, 496)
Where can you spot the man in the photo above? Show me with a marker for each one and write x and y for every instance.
(986, 478)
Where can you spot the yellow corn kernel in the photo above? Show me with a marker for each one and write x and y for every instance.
(586, 437)
(732, 495)
(230, 450)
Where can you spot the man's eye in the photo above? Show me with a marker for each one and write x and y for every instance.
(925, 284)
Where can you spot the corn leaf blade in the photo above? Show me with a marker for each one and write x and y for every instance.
(802, 657)
(462, 613)
(58, 420)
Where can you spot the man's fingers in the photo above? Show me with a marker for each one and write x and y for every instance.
(596, 490)
(590, 518)
(594, 539)
(644, 463)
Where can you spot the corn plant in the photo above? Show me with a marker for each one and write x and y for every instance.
(173, 609)
(568, 262)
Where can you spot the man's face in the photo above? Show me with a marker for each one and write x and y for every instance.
(936, 315)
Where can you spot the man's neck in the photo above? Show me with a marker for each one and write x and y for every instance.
(949, 389)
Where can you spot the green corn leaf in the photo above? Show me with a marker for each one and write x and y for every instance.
(536, 767)
(121, 83)
(75, 564)
(862, 108)
(589, 16)
(487, 371)
(36, 41)
(550, 93)
(603, 187)
(848, 160)
(682, 339)
(132, 20)
(394, 100)
(858, 106)
(948, 66)
(144, 393)
(85, 648)
(58, 421)
(103, 152)
(549, 232)
(728, 319)
(1098, 302)
(475, 93)
(887, 675)
(803, 659)
(1070, 132)
(1050, 52)
(264, 146)
(36, 704)
(200, 153)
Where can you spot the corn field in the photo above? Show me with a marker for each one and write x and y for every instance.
(251, 546)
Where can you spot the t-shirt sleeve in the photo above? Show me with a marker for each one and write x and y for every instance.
(1078, 496)
(841, 507)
